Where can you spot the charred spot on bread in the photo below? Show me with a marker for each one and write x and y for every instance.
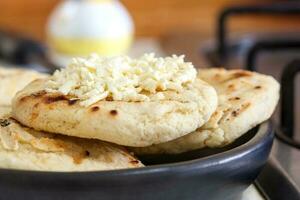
(257, 87)
(235, 113)
(77, 159)
(113, 112)
(72, 101)
(245, 105)
(231, 87)
(36, 105)
(215, 113)
(4, 122)
(52, 99)
(87, 153)
(217, 75)
(33, 95)
(237, 74)
(134, 162)
(95, 108)
(48, 99)
(109, 99)
(34, 116)
(234, 98)
(241, 73)
(38, 94)
(24, 98)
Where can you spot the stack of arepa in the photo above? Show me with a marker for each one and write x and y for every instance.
(83, 116)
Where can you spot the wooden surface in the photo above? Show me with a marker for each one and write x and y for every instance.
(26, 16)
(152, 17)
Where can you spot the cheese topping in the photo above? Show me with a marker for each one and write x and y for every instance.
(121, 78)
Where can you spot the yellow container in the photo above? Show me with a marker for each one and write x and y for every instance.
(81, 27)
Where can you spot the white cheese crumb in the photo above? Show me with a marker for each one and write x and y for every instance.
(121, 78)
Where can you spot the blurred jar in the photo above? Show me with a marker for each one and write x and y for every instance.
(81, 27)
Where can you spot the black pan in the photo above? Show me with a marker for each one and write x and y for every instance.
(207, 174)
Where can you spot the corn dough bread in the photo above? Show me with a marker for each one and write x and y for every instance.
(12, 80)
(245, 100)
(126, 123)
(26, 149)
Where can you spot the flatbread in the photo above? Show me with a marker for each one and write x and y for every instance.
(26, 149)
(12, 80)
(246, 99)
(126, 123)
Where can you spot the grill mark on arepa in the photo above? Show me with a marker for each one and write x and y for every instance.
(245, 105)
(4, 122)
(95, 108)
(241, 73)
(238, 74)
(24, 98)
(109, 99)
(238, 111)
(34, 116)
(235, 113)
(217, 75)
(39, 93)
(77, 158)
(234, 98)
(257, 87)
(231, 87)
(52, 99)
(87, 153)
(47, 99)
(215, 113)
(134, 162)
(113, 112)
(33, 95)
(72, 101)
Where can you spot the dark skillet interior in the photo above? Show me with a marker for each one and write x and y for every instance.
(212, 174)
(196, 154)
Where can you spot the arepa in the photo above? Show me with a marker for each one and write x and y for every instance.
(26, 149)
(138, 102)
(245, 98)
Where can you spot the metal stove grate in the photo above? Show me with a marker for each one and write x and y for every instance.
(285, 8)
(246, 53)
(286, 130)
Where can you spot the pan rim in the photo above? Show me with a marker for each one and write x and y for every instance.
(263, 135)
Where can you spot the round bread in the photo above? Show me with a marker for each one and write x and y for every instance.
(26, 149)
(246, 99)
(12, 80)
(136, 124)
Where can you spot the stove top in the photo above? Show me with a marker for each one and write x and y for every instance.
(276, 54)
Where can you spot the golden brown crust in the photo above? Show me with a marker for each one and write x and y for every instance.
(124, 123)
(24, 148)
(245, 100)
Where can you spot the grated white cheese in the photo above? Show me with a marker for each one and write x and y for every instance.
(121, 78)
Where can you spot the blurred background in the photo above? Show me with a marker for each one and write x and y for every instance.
(258, 35)
(165, 27)
(154, 18)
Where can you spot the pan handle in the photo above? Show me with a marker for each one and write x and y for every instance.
(270, 9)
(268, 46)
(287, 130)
